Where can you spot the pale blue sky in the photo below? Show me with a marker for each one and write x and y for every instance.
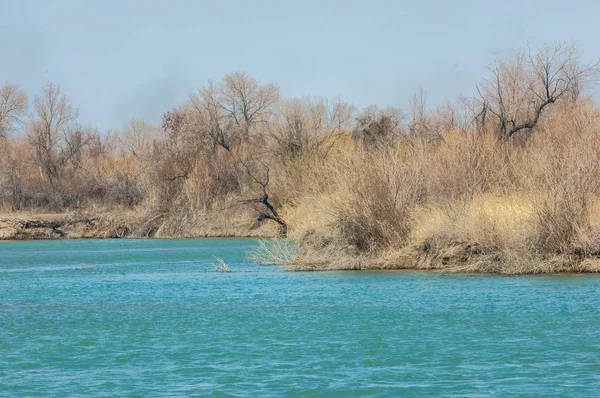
(122, 59)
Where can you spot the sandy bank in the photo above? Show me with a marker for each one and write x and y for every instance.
(32, 226)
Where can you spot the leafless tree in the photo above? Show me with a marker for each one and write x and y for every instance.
(419, 117)
(309, 125)
(137, 137)
(245, 100)
(53, 115)
(13, 104)
(227, 112)
(521, 88)
(211, 120)
(265, 207)
(179, 147)
(450, 117)
(76, 142)
(13, 155)
(376, 126)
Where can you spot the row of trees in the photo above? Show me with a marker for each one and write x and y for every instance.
(232, 139)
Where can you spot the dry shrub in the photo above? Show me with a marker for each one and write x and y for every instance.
(462, 165)
(274, 252)
(479, 235)
(377, 192)
(214, 177)
(464, 203)
(304, 175)
(563, 171)
(118, 179)
(365, 211)
(558, 220)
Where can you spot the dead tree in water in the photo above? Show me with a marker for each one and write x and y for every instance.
(264, 205)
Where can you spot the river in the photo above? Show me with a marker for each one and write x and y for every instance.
(152, 318)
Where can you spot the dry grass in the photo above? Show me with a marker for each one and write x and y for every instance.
(451, 190)
(274, 252)
(461, 204)
(220, 266)
(488, 235)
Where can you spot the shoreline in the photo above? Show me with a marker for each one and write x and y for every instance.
(74, 226)
(23, 227)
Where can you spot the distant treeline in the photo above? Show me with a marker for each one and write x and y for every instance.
(507, 181)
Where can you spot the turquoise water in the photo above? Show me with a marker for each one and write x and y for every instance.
(149, 320)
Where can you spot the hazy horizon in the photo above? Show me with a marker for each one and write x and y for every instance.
(137, 59)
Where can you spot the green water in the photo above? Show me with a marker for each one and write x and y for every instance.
(148, 320)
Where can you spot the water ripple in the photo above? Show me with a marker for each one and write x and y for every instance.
(149, 320)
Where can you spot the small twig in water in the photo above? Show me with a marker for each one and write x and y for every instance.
(84, 266)
(220, 265)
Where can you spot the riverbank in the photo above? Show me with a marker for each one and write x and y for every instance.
(106, 225)
(62, 226)
(508, 235)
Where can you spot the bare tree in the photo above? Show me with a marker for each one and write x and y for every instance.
(377, 126)
(431, 125)
(53, 114)
(179, 147)
(226, 112)
(245, 100)
(13, 156)
(266, 209)
(13, 103)
(309, 125)
(137, 137)
(524, 86)
(450, 117)
(211, 120)
(76, 142)
(419, 123)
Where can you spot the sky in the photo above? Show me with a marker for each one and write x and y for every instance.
(118, 60)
